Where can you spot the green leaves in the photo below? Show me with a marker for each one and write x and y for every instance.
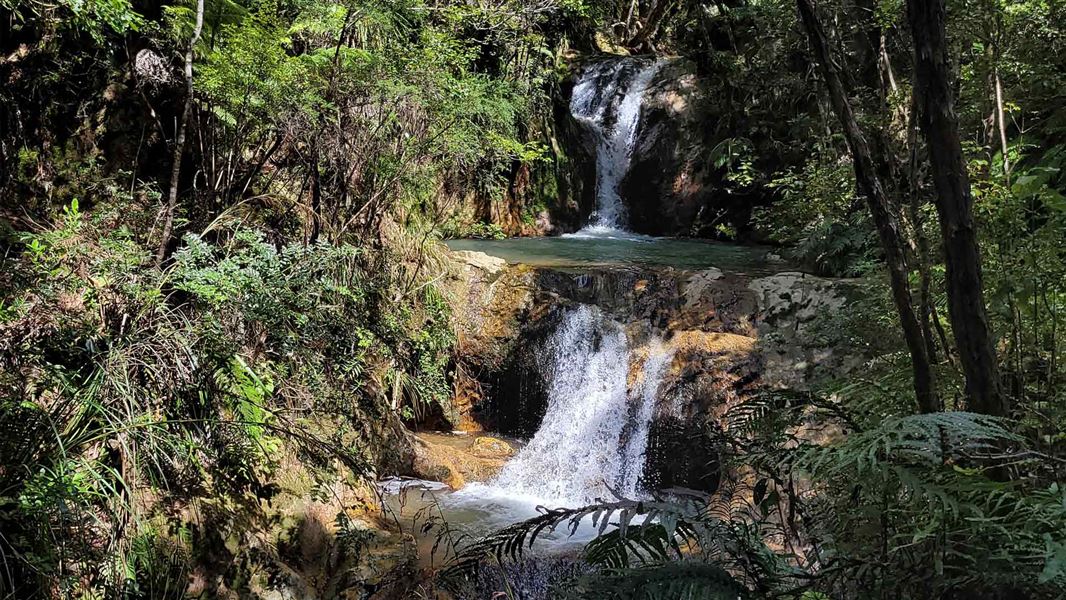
(1037, 183)
(100, 17)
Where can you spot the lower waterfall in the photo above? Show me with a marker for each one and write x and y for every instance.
(594, 434)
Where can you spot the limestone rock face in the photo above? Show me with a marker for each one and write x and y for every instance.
(792, 330)
(731, 332)
(668, 184)
(729, 335)
(492, 307)
(715, 301)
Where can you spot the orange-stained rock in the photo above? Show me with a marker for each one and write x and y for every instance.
(712, 342)
(456, 459)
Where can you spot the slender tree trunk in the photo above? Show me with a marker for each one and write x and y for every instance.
(886, 66)
(179, 142)
(925, 310)
(316, 198)
(954, 205)
(629, 16)
(881, 209)
(1001, 117)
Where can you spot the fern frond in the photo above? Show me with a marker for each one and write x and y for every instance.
(928, 439)
(651, 543)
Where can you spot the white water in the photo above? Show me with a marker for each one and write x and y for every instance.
(607, 100)
(594, 433)
(658, 359)
(591, 443)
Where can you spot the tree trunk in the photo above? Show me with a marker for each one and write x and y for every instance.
(651, 25)
(926, 306)
(881, 209)
(966, 305)
(629, 15)
(1001, 117)
(316, 197)
(179, 142)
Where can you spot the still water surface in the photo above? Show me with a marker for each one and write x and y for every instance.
(613, 248)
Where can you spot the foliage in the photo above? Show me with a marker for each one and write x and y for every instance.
(906, 506)
(817, 215)
(96, 17)
(194, 382)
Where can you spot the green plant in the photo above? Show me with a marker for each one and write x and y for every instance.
(906, 494)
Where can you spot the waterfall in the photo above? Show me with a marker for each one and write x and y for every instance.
(595, 431)
(607, 101)
(658, 359)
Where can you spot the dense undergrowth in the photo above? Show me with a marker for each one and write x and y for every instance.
(221, 304)
(840, 496)
(146, 392)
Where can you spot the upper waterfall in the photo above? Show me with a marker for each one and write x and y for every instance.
(607, 100)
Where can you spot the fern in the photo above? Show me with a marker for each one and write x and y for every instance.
(659, 532)
(647, 544)
(927, 440)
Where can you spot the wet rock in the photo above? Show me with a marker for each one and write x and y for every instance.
(491, 448)
(711, 372)
(715, 301)
(668, 183)
(713, 343)
(458, 459)
(682, 153)
(434, 463)
(490, 303)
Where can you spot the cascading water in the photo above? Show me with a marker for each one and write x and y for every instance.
(603, 387)
(607, 100)
(595, 431)
(655, 364)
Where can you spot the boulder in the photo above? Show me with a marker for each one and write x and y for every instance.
(667, 184)
(715, 301)
(490, 265)
(457, 459)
